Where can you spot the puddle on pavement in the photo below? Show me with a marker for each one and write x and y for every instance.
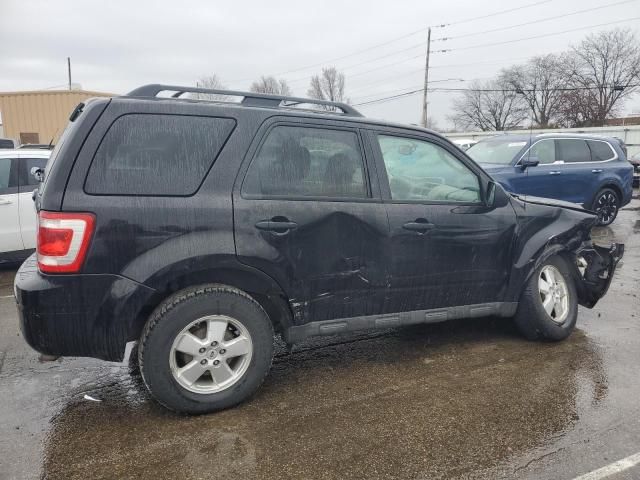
(431, 401)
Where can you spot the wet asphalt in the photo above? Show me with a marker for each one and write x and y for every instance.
(466, 399)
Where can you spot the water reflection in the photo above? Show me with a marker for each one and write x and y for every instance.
(428, 401)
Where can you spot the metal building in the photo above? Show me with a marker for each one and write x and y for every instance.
(39, 116)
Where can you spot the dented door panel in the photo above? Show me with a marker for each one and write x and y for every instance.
(332, 264)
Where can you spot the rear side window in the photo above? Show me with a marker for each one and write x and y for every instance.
(307, 162)
(26, 164)
(573, 151)
(600, 151)
(8, 176)
(144, 154)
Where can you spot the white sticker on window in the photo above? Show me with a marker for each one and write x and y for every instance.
(517, 144)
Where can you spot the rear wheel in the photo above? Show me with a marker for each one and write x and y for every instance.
(606, 205)
(548, 307)
(205, 349)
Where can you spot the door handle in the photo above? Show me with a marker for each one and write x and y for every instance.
(596, 170)
(555, 172)
(5, 201)
(276, 226)
(418, 226)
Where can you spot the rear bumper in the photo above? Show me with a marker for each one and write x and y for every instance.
(77, 315)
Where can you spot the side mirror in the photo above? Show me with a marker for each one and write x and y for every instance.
(529, 162)
(37, 173)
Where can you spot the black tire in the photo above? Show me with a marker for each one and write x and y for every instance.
(531, 318)
(607, 205)
(177, 312)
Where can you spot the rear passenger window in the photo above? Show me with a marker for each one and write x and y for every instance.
(145, 154)
(307, 162)
(573, 151)
(600, 151)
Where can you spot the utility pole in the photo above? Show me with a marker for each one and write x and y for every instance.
(69, 70)
(426, 80)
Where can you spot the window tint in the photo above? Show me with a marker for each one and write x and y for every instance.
(305, 161)
(544, 151)
(420, 170)
(5, 173)
(26, 179)
(156, 154)
(572, 151)
(6, 143)
(8, 176)
(600, 151)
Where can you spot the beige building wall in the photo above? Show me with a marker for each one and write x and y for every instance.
(39, 116)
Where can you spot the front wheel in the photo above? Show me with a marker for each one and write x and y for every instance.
(548, 307)
(206, 348)
(606, 205)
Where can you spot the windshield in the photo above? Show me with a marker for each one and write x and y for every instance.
(501, 151)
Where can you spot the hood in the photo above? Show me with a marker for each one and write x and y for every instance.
(551, 202)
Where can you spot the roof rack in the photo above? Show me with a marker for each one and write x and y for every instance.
(250, 99)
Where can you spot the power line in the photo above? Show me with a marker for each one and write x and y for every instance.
(546, 19)
(487, 90)
(395, 39)
(536, 36)
(494, 13)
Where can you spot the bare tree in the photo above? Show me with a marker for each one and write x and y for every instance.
(329, 85)
(603, 70)
(491, 105)
(271, 85)
(540, 82)
(212, 82)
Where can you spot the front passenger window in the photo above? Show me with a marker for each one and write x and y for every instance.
(423, 171)
(544, 151)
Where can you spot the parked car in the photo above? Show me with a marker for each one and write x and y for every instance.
(589, 170)
(18, 219)
(200, 228)
(635, 162)
(464, 143)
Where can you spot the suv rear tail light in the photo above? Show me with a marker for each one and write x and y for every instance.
(63, 240)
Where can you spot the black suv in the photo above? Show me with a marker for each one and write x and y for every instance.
(200, 228)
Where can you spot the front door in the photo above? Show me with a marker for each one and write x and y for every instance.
(447, 247)
(545, 179)
(306, 214)
(10, 239)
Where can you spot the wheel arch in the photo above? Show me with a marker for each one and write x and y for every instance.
(254, 282)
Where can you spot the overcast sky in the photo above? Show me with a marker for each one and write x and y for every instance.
(117, 45)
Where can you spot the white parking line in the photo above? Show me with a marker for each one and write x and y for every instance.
(7, 296)
(616, 467)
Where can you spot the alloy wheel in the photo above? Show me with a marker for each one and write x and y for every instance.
(211, 354)
(554, 293)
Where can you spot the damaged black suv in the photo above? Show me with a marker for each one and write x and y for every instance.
(200, 228)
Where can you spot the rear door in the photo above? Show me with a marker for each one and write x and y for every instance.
(307, 213)
(10, 239)
(26, 205)
(447, 248)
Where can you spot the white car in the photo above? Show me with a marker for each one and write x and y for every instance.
(17, 210)
(464, 143)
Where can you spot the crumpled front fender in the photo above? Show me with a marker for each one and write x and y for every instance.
(594, 267)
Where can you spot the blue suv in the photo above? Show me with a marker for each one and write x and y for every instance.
(589, 170)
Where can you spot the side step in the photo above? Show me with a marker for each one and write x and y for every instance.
(298, 333)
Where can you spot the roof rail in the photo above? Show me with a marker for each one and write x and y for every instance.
(250, 99)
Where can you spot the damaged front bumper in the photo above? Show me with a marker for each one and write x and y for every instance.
(595, 266)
